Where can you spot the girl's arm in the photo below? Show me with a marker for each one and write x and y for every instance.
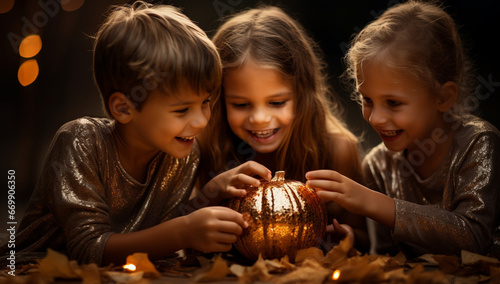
(229, 183)
(358, 199)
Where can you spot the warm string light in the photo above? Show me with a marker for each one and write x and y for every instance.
(28, 71)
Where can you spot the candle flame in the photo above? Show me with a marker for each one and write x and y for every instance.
(336, 274)
(130, 267)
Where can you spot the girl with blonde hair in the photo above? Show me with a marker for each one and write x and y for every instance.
(432, 185)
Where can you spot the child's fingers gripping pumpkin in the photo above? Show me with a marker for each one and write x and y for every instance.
(213, 229)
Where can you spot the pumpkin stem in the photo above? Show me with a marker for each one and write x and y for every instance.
(279, 176)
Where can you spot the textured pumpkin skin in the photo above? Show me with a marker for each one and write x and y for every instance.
(284, 216)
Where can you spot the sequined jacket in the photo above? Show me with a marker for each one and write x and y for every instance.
(84, 194)
(457, 208)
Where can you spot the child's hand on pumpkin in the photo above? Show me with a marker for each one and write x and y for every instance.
(229, 183)
(333, 186)
(212, 229)
(356, 198)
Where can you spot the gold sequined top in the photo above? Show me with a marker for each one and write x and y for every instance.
(457, 208)
(84, 194)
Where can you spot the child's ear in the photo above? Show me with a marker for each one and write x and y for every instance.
(447, 96)
(120, 107)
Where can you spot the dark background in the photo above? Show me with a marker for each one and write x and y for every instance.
(64, 89)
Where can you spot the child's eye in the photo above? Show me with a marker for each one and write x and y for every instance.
(393, 103)
(206, 101)
(277, 103)
(367, 101)
(240, 105)
(181, 111)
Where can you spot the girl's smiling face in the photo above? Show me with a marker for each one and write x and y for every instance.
(402, 110)
(260, 106)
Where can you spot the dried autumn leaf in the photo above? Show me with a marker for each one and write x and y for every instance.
(257, 272)
(429, 260)
(142, 263)
(89, 273)
(396, 276)
(285, 262)
(311, 271)
(274, 265)
(237, 269)
(419, 275)
(362, 269)
(338, 254)
(218, 271)
(470, 258)
(448, 264)
(57, 265)
(312, 252)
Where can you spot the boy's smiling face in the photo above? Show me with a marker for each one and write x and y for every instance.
(170, 122)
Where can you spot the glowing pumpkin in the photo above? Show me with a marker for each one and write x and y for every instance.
(284, 216)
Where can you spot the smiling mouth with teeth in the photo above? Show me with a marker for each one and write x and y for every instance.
(264, 133)
(185, 139)
(390, 133)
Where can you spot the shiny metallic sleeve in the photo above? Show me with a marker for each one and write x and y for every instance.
(466, 218)
(69, 200)
(455, 209)
(84, 195)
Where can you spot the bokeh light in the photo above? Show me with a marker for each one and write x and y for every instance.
(28, 72)
(30, 46)
(6, 6)
(71, 5)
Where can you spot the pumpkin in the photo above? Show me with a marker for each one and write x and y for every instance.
(284, 216)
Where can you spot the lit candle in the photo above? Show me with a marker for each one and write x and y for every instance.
(336, 275)
(129, 267)
(127, 275)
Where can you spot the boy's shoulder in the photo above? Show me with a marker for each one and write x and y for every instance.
(86, 126)
(84, 130)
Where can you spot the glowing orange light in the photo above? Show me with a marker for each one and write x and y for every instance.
(130, 267)
(6, 6)
(71, 5)
(28, 71)
(30, 46)
(336, 275)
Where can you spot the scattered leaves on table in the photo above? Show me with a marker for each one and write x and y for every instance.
(342, 264)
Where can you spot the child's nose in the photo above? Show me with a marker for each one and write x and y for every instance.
(377, 117)
(201, 119)
(259, 116)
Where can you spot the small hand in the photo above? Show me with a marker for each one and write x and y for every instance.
(356, 198)
(229, 183)
(213, 229)
(333, 186)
